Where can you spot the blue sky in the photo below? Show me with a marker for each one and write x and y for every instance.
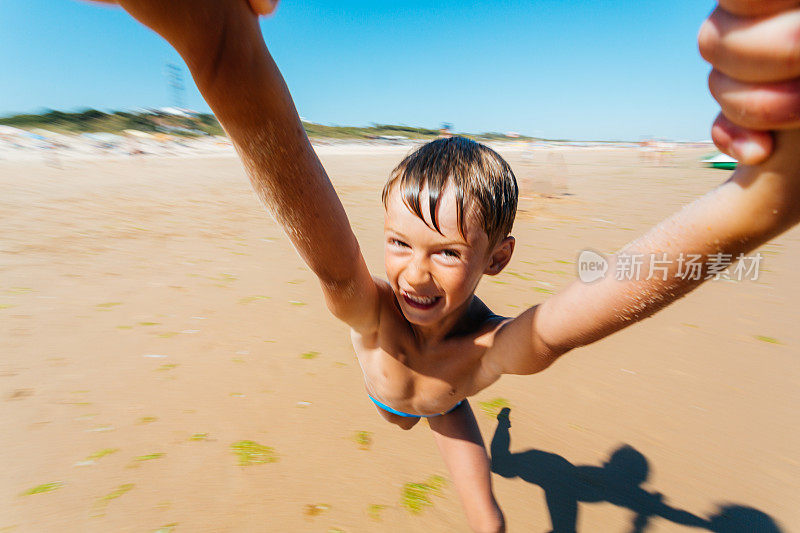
(577, 69)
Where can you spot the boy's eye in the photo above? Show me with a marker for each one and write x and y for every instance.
(398, 243)
(451, 254)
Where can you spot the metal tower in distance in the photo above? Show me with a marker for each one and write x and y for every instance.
(176, 85)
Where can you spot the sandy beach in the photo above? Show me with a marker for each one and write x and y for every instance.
(167, 363)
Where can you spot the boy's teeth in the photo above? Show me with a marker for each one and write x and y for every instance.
(421, 300)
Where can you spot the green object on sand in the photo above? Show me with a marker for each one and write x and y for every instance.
(722, 162)
(252, 453)
(417, 496)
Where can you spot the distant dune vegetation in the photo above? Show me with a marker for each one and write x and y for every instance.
(197, 124)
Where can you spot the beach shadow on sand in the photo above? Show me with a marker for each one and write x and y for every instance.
(617, 481)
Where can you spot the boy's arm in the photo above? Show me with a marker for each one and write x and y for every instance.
(749, 43)
(754, 205)
(222, 45)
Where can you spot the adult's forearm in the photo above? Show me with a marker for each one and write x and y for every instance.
(247, 93)
(755, 205)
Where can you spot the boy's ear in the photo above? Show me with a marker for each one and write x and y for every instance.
(500, 256)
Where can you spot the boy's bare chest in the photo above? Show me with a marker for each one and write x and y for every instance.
(417, 380)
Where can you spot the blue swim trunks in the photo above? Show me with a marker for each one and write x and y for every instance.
(401, 413)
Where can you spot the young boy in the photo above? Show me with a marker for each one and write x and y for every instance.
(424, 341)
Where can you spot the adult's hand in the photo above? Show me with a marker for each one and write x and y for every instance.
(203, 31)
(259, 7)
(754, 48)
(263, 7)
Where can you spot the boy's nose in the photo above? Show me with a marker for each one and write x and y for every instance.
(417, 273)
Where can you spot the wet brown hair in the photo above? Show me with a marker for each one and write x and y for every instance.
(479, 176)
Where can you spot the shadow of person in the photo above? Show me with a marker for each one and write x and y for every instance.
(617, 481)
(740, 519)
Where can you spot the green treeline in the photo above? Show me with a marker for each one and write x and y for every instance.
(93, 120)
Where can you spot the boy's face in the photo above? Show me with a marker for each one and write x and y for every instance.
(434, 275)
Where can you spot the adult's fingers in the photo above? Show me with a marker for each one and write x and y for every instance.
(757, 106)
(263, 7)
(761, 49)
(746, 146)
(752, 8)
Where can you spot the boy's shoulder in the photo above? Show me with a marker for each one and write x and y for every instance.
(482, 320)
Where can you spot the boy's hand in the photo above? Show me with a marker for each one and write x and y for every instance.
(754, 47)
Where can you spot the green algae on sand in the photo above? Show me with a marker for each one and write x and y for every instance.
(19, 290)
(251, 299)
(253, 453)
(417, 496)
(492, 407)
(101, 453)
(363, 439)
(374, 511)
(136, 461)
(149, 457)
(102, 502)
(225, 278)
(167, 528)
(45, 487)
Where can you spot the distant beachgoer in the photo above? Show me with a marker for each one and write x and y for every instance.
(647, 150)
(424, 341)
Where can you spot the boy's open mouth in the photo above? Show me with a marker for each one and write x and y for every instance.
(420, 302)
